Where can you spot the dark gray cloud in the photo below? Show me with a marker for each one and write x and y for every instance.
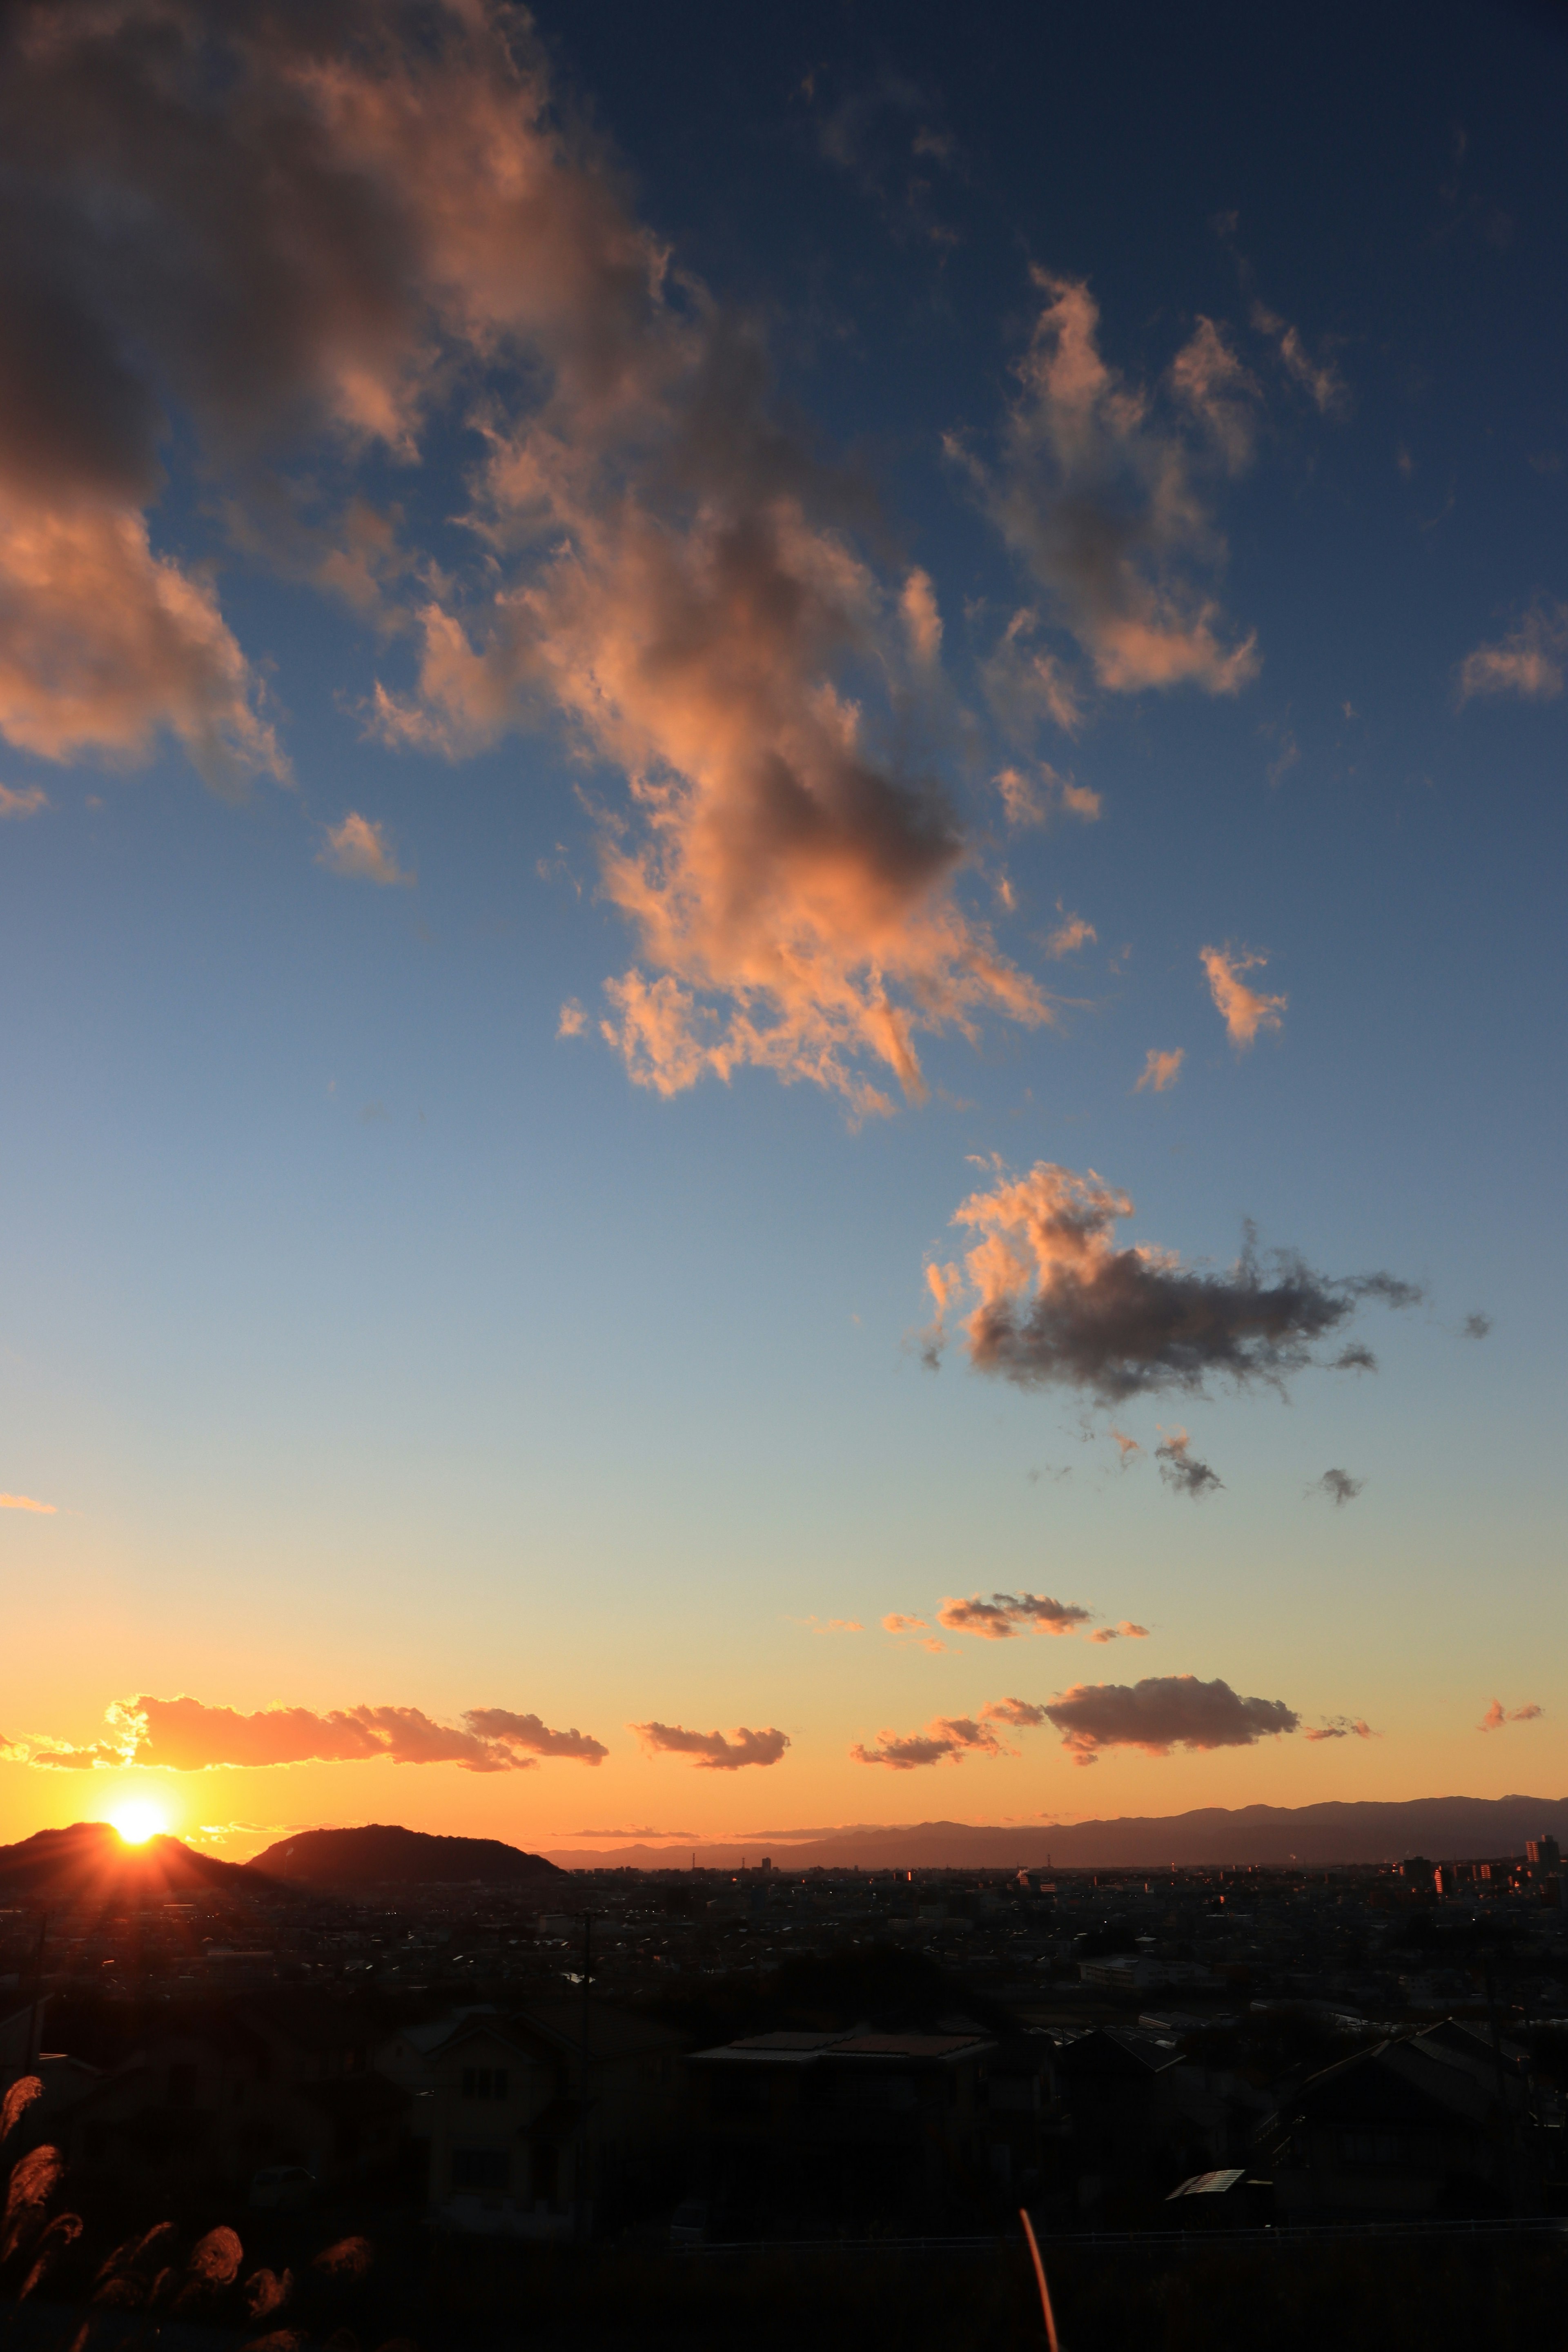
(1338, 1485)
(1009, 1613)
(1476, 1326)
(1182, 1470)
(1163, 1711)
(712, 1751)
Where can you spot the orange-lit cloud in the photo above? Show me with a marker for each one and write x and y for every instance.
(1242, 1009)
(897, 1624)
(1160, 1069)
(1054, 1301)
(182, 1734)
(1070, 934)
(1034, 800)
(1163, 1711)
(1213, 384)
(1126, 1446)
(27, 1503)
(1527, 661)
(1126, 1632)
(1343, 1727)
(1318, 379)
(1102, 500)
(1007, 1614)
(949, 1738)
(1180, 1467)
(713, 1751)
(832, 1624)
(358, 848)
(22, 804)
(1497, 1715)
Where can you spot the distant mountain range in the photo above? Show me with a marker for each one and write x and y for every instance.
(380, 1855)
(90, 1862)
(1446, 1828)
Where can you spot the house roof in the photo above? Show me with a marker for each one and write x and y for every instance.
(1396, 2082)
(612, 2033)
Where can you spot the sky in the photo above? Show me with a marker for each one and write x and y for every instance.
(781, 848)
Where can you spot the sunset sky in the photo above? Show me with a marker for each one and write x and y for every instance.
(781, 846)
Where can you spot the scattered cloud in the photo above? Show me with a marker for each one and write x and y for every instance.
(1343, 1727)
(1027, 685)
(1243, 1010)
(1476, 1326)
(1163, 1711)
(1161, 1070)
(1318, 379)
(574, 1019)
(1212, 383)
(948, 1738)
(1101, 500)
(1035, 800)
(24, 804)
(358, 850)
(1007, 1614)
(1070, 934)
(714, 1751)
(1338, 1485)
(1527, 661)
(27, 1503)
(897, 1624)
(183, 1735)
(1181, 1469)
(1125, 1631)
(1054, 1301)
(1126, 1447)
(831, 1625)
(1497, 1715)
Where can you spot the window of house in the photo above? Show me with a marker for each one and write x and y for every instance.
(1381, 2148)
(484, 2168)
(484, 2082)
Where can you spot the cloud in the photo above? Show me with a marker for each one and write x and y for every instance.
(574, 1020)
(1183, 1470)
(832, 1624)
(1026, 684)
(1527, 661)
(1070, 934)
(1338, 1485)
(1126, 1447)
(948, 1738)
(1318, 379)
(1160, 1069)
(27, 1503)
(1242, 1009)
(897, 1624)
(183, 1735)
(1035, 800)
(713, 1750)
(1476, 1326)
(1125, 1631)
(1102, 501)
(1343, 1727)
(1212, 383)
(22, 804)
(358, 850)
(1007, 1614)
(1055, 1301)
(312, 239)
(1163, 1711)
(1497, 1715)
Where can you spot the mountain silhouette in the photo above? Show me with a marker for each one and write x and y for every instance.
(383, 1855)
(90, 1862)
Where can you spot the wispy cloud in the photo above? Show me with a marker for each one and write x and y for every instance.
(1243, 1010)
(1070, 934)
(183, 1735)
(895, 1623)
(1476, 1325)
(1161, 1070)
(1007, 1614)
(358, 848)
(1338, 1485)
(27, 1503)
(1164, 1712)
(1054, 1301)
(1034, 799)
(1180, 1467)
(29, 802)
(1497, 1715)
(949, 1738)
(1527, 661)
(1126, 1632)
(1343, 1726)
(1318, 379)
(712, 1751)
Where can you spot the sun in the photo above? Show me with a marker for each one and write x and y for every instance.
(137, 1821)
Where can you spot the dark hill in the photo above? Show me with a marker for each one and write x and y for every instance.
(91, 1864)
(386, 1856)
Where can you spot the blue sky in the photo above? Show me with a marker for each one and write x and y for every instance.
(376, 1346)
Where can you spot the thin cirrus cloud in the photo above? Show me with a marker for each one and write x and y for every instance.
(1102, 499)
(1527, 661)
(313, 236)
(183, 1735)
(1034, 800)
(1161, 1070)
(1181, 1468)
(1007, 1614)
(1070, 934)
(895, 1623)
(30, 802)
(949, 1738)
(1126, 1632)
(1245, 1010)
(1161, 1713)
(712, 1751)
(27, 1503)
(1052, 1300)
(359, 850)
(1497, 1715)
(1339, 1487)
(1343, 1726)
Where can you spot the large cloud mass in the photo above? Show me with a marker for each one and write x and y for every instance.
(712, 1751)
(1054, 1301)
(1163, 1711)
(312, 232)
(182, 1734)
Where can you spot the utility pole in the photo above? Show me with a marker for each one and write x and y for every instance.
(585, 2218)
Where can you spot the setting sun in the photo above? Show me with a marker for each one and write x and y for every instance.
(137, 1821)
